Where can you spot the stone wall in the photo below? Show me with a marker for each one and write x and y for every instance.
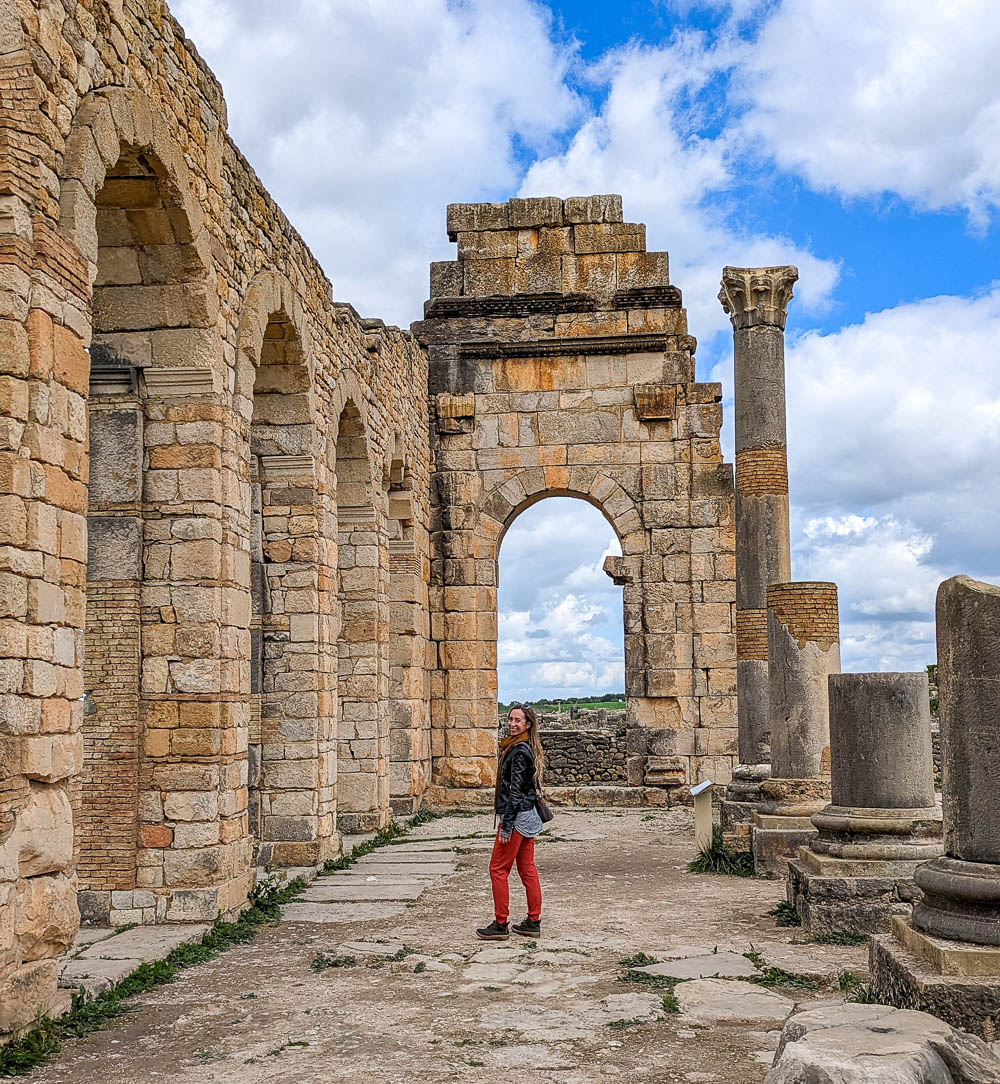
(219, 370)
(580, 757)
(228, 614)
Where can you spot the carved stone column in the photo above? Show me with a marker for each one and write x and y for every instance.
(882, 820)
(756, 299)
(946, 959)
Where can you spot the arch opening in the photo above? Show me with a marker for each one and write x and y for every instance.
(149, 308)
(561, 640)
(363, 731)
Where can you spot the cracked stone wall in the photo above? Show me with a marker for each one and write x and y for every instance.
(141, 684)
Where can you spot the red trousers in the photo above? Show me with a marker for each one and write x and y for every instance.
(522, 851)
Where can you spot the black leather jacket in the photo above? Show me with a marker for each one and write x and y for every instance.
(517, 785)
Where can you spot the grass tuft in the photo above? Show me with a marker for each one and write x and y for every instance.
(718, 858)
(842, 937)
(856, 989)
(325, 960)
(777, 976)
(640, 959)
(19, 1057)
(784, 914)
(670, 1003)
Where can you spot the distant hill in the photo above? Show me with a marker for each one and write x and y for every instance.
(606, 700)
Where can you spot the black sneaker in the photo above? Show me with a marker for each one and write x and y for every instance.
(495, 931)
(528, 928)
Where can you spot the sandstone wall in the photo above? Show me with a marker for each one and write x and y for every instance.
(560, 364)
(219, 369)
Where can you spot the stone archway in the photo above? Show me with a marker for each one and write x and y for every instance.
(292, 674)
(161, 826)
(560, 363)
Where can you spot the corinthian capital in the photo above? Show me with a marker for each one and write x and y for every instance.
(757, 295)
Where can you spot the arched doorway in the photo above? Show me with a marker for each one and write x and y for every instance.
(144, 664)
(561, 638)
(363, 729)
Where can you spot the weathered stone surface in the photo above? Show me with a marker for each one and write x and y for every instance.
(47, 916)
(718, 1001)
(45, 832)
(848, 1043)
(719, 964)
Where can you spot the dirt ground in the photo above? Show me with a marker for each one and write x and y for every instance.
(457, 1009)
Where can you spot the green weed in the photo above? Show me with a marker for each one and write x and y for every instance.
(718, 858)
(784, 914)
(777, 976)
(856, 989)
(842, 937)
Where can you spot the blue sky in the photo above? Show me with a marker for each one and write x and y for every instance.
(858, 139)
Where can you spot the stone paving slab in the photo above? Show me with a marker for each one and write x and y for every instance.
(437, 869)
(370, 948)
(407, 858)
(87, 935)
(144, 943)
(347, 893)
(366, 876)
(724, 964)
(330, 913)
(724, 1001)
(96, 976)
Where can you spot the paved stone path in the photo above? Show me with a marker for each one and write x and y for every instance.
(375, 973)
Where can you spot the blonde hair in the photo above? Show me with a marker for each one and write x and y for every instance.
(536, 741)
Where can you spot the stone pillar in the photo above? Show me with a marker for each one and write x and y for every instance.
(803, 649)
(946, 959)
(883, 819)
(756, 299)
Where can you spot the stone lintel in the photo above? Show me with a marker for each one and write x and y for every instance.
(180, 380)
(578, 346)
(282, 467)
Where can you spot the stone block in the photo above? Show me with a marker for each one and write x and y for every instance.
(114, 549)
(902, 979)
(27, 992)
(47, 916)
(609, 238)
(45, 831)
(590, 209)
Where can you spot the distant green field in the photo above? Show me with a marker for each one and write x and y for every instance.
(611, 701)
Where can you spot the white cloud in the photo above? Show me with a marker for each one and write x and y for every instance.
(869, 96)
(364, 120)
(894, 430)
(645, 142)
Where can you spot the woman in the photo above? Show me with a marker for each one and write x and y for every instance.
(518, 790)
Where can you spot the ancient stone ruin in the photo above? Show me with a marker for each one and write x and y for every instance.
(249, 542)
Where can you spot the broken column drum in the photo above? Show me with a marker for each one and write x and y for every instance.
(756, 299)
(882, 820)
(962, 889)
(946, 959)
(803, 647)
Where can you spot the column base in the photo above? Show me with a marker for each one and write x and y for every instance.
(794, 797)
(742, 796)
(961, 900)
(835, 895)
(774, 839)
(957, 982)
(880, 835)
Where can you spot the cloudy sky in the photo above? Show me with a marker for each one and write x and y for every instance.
(859, 139)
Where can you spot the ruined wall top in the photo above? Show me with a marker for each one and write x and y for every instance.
(578, 249)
